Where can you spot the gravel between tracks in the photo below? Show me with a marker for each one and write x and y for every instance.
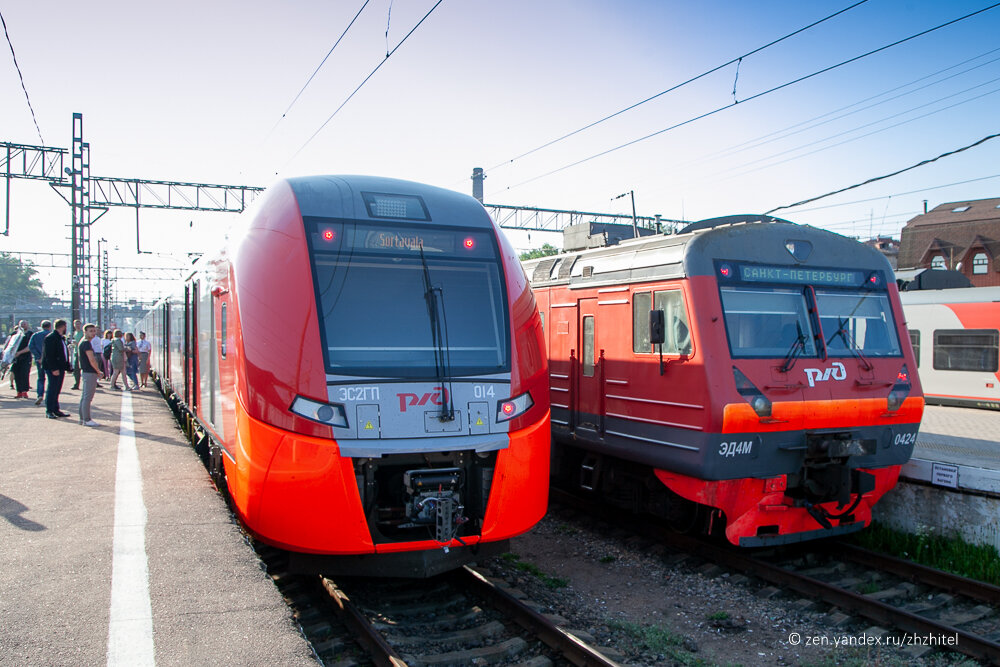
(612, 588)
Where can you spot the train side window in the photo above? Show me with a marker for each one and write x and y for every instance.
(641, 305)
(915, 342)
(678, 336)
(222, 342)
(966, 350)
(588, 346)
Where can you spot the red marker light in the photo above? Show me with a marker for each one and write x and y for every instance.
(469, 243)
(508, 407)
(329, 235)
(725, 270)
(903, 377)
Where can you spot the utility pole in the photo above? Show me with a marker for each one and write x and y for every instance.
(635, 225)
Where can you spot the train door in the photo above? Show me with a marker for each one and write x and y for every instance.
(190, 357)
(588, 409)
(208, 372)
(563, 353)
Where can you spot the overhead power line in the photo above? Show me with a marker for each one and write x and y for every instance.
(370, 75)
(736, 60)
(21, 76)
(753, 97)
(322, 62)
(882, 178)
(900, 194)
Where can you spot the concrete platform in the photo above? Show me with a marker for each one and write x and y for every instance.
(952, 483)
(957, 448)
(115, 548)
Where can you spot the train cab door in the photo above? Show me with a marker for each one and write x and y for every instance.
(562, 345)
(588, 411)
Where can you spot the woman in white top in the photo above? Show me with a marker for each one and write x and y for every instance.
(144, 348)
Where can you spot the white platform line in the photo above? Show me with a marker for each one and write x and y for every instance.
(130, 630)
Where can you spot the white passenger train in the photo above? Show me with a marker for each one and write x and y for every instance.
(956, 339)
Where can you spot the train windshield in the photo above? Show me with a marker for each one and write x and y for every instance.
(766, 322)
(775, 322)
(408, 301)
(857, 322)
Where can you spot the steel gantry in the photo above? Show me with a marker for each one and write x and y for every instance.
(87, 194)
(531, 219)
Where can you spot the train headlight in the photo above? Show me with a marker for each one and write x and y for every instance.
(760, 403)
(331, 414)
(513, 407)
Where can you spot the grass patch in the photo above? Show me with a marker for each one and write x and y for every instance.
(718, 616)
(566, 529)
(657, 640)
(951, 554)
(606, 559)
(530, 568)
(870, 587)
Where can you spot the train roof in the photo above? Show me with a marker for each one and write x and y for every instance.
(693, 254)
(351, 197)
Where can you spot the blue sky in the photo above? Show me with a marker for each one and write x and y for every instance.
(194, 92)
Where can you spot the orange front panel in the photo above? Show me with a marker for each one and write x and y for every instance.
(813, 415)
(296, 491)
(520, 491)
(750, 504)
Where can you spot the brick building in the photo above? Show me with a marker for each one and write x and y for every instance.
(964, 236)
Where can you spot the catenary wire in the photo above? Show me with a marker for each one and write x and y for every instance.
(721, 175)
(829, 117)
(675, 87)
(899, 194)
(361, 85)
(320, 66)
(752, 97)
(21, 77)
(885, 176)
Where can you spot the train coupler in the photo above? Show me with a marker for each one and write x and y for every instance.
(434, 500)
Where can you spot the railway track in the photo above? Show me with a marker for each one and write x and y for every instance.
(457, 619)
(908, 604)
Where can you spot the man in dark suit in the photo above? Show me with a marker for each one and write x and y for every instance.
(55, 361)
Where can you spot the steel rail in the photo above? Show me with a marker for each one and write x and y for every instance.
(381, 653)
(953, 583)
(968, 643)
(571, 648)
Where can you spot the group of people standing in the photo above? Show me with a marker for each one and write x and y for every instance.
(87, 355)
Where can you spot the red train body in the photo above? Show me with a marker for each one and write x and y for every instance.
(367, 372)
(761, 372)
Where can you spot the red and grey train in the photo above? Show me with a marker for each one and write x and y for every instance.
(365, 366)
(955, 335)
(748, 374)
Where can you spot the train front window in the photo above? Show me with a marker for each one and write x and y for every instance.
(767, 322)
(857, 322)
(409, 301)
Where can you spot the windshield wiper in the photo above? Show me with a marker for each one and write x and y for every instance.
(439, 336)
(798, 345)
(851, 344)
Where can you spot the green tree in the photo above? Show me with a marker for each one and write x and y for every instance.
(544, 251)
(17, 278)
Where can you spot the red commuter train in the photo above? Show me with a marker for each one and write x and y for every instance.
(747, 375)
(955, 335)
(364, 368)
